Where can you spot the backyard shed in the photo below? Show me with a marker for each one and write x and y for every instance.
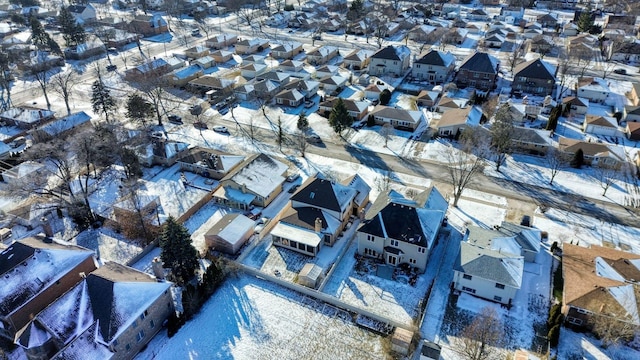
(429, 351)
(229, 233)
(401, 340)
(310, 275)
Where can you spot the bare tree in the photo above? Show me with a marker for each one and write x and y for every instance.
(301, 142)
(465, 164)
(481, 336)
(490, 106)
(581, 58)
(153, 86)
(383, 182)
(606, 176)
(563, 69)
(502, 131)
(280, 136)
(63, 84)
(380, 32)
(42, 72)
(555, 160)
(607, 68)
(612, 329)
(515, 56)
(387, 131)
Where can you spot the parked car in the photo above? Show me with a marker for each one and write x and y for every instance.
(200, 125)
(112, 50)
(221, 129)
(293, 177)
(293, 188)
(314, 139)
(223, 110)
(175, 119)
(316, 37)
(526, 221)
(111, 67)
(308, 104)
(620, 71)
(195, 32)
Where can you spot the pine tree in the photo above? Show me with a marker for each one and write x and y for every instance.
(139, 109)
(552, 124)
(385, 97)
(339, 119)
(585, 21)
(578, 159)
(41, 38)
(303, 122)
(177, 251)
(101, 99)
(73, 33)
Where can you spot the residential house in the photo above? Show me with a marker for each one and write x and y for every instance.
(93, 46)
(390, 60)
(512, 15)
(629, 52)
(532, 30)
(322, 54)
(148, 25)
(197, 52)
(599, 281)
(253, 59)
(35, 272)
(489, 266)
(83, 13)
(575, 105)
(434, 66)
(595, 154)
(455, 121)
(362, 192)
(333, 85)
(547, 20)
(634, 94)
(206, 83)
(357, 109)
(255, 182)
(26, 117)
(530, 141)
(111, 314)
(398, 230)
(244, 91)
(357, 60)
(150, 69)
(628, 23)
(422, 33)
(478, 15)
(373, 90)
(291, 66)
(290, 97)
(209, 163)
(479, 70)
(633, 131)
(494, 40)
(221, 41)
(181, 77)
(286, 50)
(450, 101)
(397, 117)
(308, 88)
(593, 89)
(265, 89)
(317, 214)
(204, 62)
(251, 46)
(631, 113)
(118, 38)
(253, 70)
(535, 77)
(221, 56)
(21, 172)
(600, 125)
(326, 71)
(166, 152)
(230, 233)
(428, 98)
(570, 29)
(542, 44)
(62, 127)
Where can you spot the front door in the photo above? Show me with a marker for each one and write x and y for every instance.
(391, 260)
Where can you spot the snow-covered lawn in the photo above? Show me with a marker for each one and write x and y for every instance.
(577, 346)
(248, 318)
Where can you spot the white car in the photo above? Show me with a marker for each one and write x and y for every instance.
(221, 129)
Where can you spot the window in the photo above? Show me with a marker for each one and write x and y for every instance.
(140, 336)
(464, 288)
(574, 321)
(394, 242)
(466, 277)
(582, 311)
(499, 286)
(135, 324)
(422, 250)
(371, 238)
(412, 261)
(497, 298)
(152, 324)
(142, 316)
(127, 347)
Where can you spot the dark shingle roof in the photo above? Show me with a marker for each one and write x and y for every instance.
(480, 62)
(433, 57)
(324, 194)
(536, 69)
(400, 222)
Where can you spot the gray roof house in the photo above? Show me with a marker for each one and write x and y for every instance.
(434, 66)
(390, 60)
(479, 70)
(398, 230)
(398, 118)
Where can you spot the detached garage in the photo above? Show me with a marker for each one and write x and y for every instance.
(600, 125)
(230, 233)
(310, 275)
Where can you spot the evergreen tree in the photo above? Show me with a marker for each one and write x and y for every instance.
(578, 159)
(585, 21)
(385, 97)
(553, 117)
(177, 251)
(101, 99)
(303, 122)
(73, 33)
(139, 109)
(339, 119)
(41, 39)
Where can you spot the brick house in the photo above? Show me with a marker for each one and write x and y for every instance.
(535, 77)
(148, 25)
(479, 70)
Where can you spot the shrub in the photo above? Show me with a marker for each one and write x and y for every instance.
(554, 335)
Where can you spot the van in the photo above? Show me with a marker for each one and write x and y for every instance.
(5, 233)
(195, 32)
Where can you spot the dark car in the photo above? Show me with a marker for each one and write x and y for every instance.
(526, 221)
(620, 71)
(111, 67)
(293, 188)
(200, 125)
(174, 119)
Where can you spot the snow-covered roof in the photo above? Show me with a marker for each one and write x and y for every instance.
(491, 265)
(304, 236)
(66, 123)
(261, 175)
(26, 115)
(232, 228)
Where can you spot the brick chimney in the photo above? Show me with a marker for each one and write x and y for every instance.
(318, 225)
(46, 227)
(156, 265)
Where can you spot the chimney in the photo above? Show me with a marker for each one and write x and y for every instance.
(362, 214)
(46, 227)
(156, 265)
(318, 225)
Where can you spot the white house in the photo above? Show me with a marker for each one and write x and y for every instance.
(390, 60)
(83, 13)
(600, 125)
(593, 89)
(397, 117)
(576, 105)
(230, 233)
(434, 66)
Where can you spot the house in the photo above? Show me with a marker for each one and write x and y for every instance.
(398, 230)
(148, 25)
(631, 113)
(434, 66)
(477, 15)
(285, 50)
(455, 121)
(362, 192)
(333, 85)
(166, 152)
(83, 13)
(253, 70)
(62, 127)
(489, 273)
(35, 272)
(181, 77)
(397, 117)
(244, 91)
(450, 101)
(206, 83)
(390, 60)
(575, 105)
(512, 14)
(291, 66)
(628, 52)
(593, 89)
(427, 98)
(547, 20)
(494, 40)
(197, 52)
(634, 94)
(92, 47)
(530, 141)
(322, 54)
(373, 90)
(204, 62)
(221, 56)
(479, 70)
(253, 59)
(595, 154)
(251, 46)
(221, 41)
(535, 77)
(633, 130)
(422, 33)
(265, 89)
(599, 281)
(357, 109)
(326, 71)
(112, 313)
(21, 172)
(255, 182)
(290, 97)
(357, 59)
(118, 38)
(318, 212)
(209, 163)
(150, 69)
(308, 88)
(600, 125)
(26, 117)
(230, 233)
